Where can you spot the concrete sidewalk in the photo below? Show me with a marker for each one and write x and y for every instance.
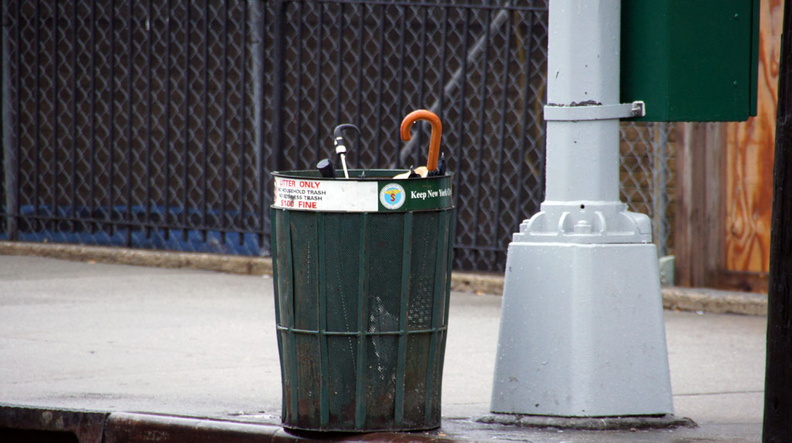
(170, 350)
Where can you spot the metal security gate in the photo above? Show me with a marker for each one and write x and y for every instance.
(156, 123)
(130, 123)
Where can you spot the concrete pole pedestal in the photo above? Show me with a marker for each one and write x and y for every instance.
(581, 332)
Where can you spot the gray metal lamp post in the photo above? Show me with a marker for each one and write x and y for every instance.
(582, 331)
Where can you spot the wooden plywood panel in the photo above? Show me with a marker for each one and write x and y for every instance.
(699, 217)
(749, 162)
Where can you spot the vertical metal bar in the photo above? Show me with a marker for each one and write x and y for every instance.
(56, 116)
(324, 394)
(447, 298)
(130, 113)
(463, 74)
(37, 122)
(449, 268)
(257, 51)
(92, 154)
(443, 61)
(149, 97)
(526, 121)
(359, 81)
(438, 297)
(481, 147)
(422, 82)
(112, 146)
(542, 152)
(502, 136)
(73, 174)
(10, 127)
(403, 314)
(339, 65)
(167, 144)
(278, 320)
(242, 112)
(362, 326)
(205, 132)
(223, 222)
(380, 81)
(290, 321)
(660, 186)
(400, 71)
(318, 102)
(186, 131)
(278, 106)
(422, 62)
(300, 149)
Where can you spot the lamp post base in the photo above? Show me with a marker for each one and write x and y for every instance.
(582, 332)
(629, 423)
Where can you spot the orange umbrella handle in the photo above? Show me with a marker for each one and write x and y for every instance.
(437, 132)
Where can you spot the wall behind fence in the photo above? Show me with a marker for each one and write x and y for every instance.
(155, 124)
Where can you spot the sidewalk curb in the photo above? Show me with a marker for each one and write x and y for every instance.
(26, 423)
(674, 298)
(233, 264)
(714, 301)
(133, 427)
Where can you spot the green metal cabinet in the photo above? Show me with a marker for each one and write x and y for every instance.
(690, 60)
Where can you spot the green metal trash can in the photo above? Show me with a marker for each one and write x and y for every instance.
(362, 272)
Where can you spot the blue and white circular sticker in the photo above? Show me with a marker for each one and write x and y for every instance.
(392, 196)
